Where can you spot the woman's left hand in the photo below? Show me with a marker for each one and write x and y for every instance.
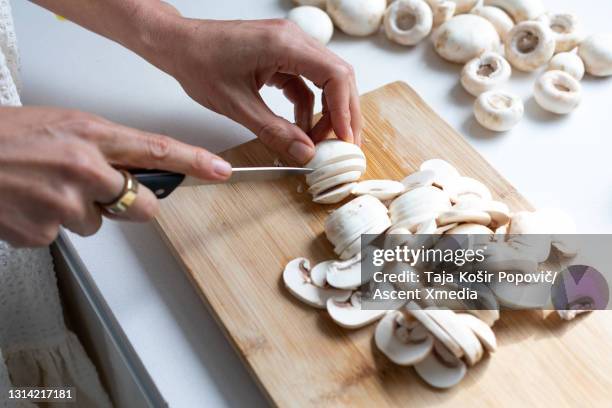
(224, 64)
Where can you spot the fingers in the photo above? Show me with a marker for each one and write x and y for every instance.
(112, 182)
(129, 147)
(329, 72)
(285, 138)
(295, 89)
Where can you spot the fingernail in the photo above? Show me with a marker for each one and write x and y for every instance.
(222, 168)
(300, 151)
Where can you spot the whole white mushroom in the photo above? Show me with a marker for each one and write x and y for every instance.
(566, 29)
(529, 45)
(407, 22)
(557, 92)
(499, 18)
(314, 21)
(567, 62)
(596, 52)
(465, 6)
(357, 17)
(464, 37)
(443, 10)
(520, 10)
(484, 73)
(498, 110)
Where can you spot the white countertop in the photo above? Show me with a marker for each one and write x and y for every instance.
(554, 161)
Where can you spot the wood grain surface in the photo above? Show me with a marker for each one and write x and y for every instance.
(234, 240)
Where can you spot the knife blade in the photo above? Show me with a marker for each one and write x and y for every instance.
(162, 183)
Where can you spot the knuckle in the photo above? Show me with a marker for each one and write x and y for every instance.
(271, 134)
(342, 71)
(159, 147)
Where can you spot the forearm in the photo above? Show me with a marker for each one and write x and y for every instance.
(146, 27)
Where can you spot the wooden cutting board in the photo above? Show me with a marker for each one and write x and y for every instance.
(234, 240)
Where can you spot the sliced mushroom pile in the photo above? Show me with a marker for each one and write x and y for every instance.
(439, 343)
(487, 37)
(436, 201)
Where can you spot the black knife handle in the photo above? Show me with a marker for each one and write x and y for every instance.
(160, 182)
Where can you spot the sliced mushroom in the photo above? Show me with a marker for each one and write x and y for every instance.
(398, 342)
(521, 296)
(465, 37)
(529, 45)
(567, 62)
(499, 111)
(557, 92)
(335, 195)
(441, 369)
(350, 315)
(296, 277)
(567, 30)
(420, 178)
(501, 256)
(318, 274)
(596, 52)
(481, 329)
(419, 201)
(334, 181)
(434, 328)
(408, 22)
(466, 187)
(443, 10)
(336, 168)
(357, 17)
(502, 22)
(347, 274)
(520, 10)
(381, 189)
(314, 22)
(459, 332)
(443, 229)
(484, 73)
(464, 216)
(470, 229)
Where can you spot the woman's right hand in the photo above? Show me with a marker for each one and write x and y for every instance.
(56, 166)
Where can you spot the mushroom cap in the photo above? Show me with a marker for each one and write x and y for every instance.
(520, 10)
(381, 189)
(353, 248)
(318, 274)
(502, 22)
(417, 179)
(427, 199)
(400, 352)
(596, 52)
(332, 151)
(444, 171)
(521, 296)
(296, 277)
(334, 195)
(501, 256)
(350, 315)
(463, 187)
(481, 330)
(438, 374)
(529, 45)
(347, 276)
(557, 92)
(465, 37)
(470, 229)
(408, 22)
(566, 28)
(498, 110)
(567, 62)
(484, 73)
(357, 17)
(314, 22)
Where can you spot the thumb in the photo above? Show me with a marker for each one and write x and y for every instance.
(277, 133)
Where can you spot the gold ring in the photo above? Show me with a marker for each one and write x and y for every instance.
(126, 197)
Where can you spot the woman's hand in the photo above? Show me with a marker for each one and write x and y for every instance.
(224, 64)
(56, 166)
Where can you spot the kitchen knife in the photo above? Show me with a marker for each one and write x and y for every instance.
(162, 183)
